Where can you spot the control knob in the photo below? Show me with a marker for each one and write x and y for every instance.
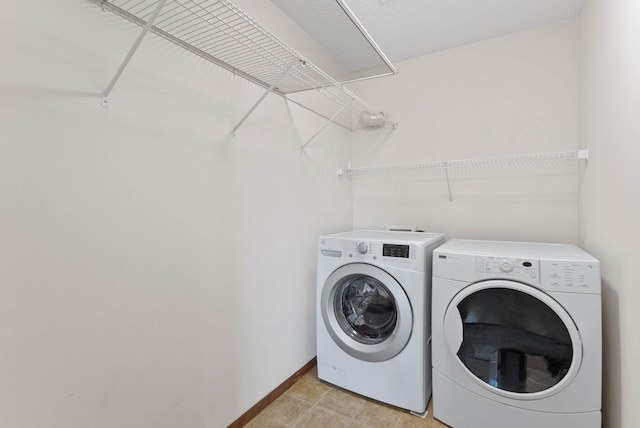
(362, 248)
(505, 266)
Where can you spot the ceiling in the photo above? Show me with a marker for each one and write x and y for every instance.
(405, 29)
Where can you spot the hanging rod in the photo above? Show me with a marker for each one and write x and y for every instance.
(462, 163)
(221, 33)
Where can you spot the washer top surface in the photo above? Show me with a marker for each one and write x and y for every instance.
(566, 252)
(424, 238)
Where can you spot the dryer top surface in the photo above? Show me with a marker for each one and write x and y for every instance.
(423, 238)
(566, 252)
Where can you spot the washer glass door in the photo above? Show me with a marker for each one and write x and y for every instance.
(366, 312)
(513, 338)
(365, 308)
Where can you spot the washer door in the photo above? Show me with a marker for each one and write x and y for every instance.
(513, 339)
(366, 312)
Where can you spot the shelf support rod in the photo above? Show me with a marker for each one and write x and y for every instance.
(267, 92)
(134, 48)
(446, 173)
(329, 122)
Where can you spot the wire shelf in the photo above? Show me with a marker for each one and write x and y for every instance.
(221, 33)
(535, 160)
(534, 164)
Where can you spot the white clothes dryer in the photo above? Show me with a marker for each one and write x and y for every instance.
(373, 319)
(517, 335)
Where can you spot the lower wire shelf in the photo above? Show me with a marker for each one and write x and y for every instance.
(533, 159)
(520, 165)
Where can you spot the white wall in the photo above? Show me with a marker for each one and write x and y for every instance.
(142, 250)
(560, 87)
(512, 95)
(609, 222)
(154, 271)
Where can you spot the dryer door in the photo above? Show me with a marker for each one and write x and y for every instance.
(513, 339)
(366, 312)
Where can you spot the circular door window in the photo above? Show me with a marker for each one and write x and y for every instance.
(513, 338)
(366, 312)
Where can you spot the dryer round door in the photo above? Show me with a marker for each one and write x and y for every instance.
(513, 339)
(366, 312)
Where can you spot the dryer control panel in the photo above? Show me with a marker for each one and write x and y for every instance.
(562, 268)
(522, 269)
(551, 275)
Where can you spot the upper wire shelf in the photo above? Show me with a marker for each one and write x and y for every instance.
(221, 33)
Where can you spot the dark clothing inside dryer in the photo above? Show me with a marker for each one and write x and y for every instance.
(513, 341)
(513, 359)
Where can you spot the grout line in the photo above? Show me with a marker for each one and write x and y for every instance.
(299, 420)
(398, 422)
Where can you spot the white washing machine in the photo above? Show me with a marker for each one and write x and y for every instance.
(373, 320)
(516, 335)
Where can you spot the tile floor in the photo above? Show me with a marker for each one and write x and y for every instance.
(313, 403)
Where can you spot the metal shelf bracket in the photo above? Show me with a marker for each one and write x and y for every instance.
(329, 122)
(267, 92)
(105, 95)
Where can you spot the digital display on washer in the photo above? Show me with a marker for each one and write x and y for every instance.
(393, 250)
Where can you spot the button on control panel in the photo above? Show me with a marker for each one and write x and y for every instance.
(506, 265)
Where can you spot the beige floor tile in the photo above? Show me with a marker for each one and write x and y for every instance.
(335, 408)
(286, 409)
(313, 373)
(261, 421)
(318, 417)
(341, 402)
(354, 424)
(308, 389)
(375, 415)
(408, 420)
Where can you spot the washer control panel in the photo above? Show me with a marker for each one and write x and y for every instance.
(411, 254)
(373, 251)
(523, 269)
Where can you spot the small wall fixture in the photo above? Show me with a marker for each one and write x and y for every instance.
(372, 120)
